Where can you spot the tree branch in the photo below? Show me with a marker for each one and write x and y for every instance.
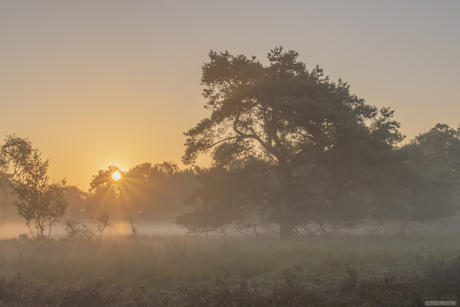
(218, 142)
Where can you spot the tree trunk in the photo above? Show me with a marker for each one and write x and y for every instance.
(289, 198)
(286, 225)
(3, 213)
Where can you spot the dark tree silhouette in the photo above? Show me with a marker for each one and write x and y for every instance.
(14, 154)
(435, 158)
(144, 193)
(315, 141)
(39, 201)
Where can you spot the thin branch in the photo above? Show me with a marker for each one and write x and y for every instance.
(218, 142)
(252, 136)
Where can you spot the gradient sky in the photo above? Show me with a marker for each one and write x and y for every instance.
(99, 83)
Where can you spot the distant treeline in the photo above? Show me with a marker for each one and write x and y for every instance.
(146, 193)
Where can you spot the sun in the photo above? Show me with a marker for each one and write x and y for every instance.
(116, 175)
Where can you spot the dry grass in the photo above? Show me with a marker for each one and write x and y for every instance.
(232, 271)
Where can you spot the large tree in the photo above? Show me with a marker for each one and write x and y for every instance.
(306, 143)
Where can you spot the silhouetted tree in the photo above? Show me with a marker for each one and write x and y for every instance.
(71, 227)
(315, 141)
(156, 192)
(436, 153)
(102, 222)
(78, 205)
(104, 193)
(145, 192)
(14, 155)
(39, 201)
(435, 157)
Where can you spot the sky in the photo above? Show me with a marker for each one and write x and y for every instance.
(93, 83)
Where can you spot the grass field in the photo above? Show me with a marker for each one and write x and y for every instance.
(145, 270)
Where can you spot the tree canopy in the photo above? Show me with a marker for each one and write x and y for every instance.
(39, 202)
(144, 193)
(14, 154)
(435, 157)
(306, 143)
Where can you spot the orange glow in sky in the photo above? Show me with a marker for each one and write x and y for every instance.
(70, 69)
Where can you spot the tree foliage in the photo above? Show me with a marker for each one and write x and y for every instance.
(145, 192)
(39, 202)
(436, 152)
(435, 157)
(102, 222)
(14, 154)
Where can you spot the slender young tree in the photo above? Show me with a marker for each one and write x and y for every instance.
(39, 202)
(102, 222)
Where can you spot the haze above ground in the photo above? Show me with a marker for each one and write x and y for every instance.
(99, 83)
